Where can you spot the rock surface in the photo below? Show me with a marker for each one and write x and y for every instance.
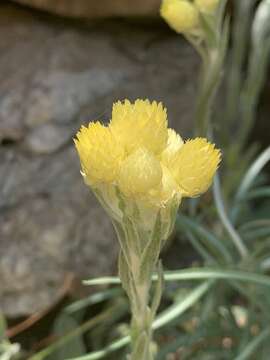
(54, 76)
(94, 9)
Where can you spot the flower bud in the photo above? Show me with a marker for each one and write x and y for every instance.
(140, 173)
(194, 166)
(99, 152)
(181, 15)
(141, 124)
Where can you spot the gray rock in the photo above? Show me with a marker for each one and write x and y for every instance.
(47, 138)
(55, 76)
(50, 225)
(60, 95)
(93, 9)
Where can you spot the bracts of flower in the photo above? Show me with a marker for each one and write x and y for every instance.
(139, 169)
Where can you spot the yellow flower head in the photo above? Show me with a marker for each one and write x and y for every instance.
(194, 165)
(145, 159)
(142, 124)
(181, 15)
(140, 173)
(99, 152)
(207, 6)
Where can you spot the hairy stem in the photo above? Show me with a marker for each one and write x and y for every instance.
(141, 323)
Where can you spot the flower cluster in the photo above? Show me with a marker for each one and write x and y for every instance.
(184, 16)
(142, 157)
(139, 170)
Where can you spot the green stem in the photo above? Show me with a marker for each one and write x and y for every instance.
(240, 36)
(140, 247)
(141, 323)
(213, 51)
(211, 75)
(234, 236)
(137, 288)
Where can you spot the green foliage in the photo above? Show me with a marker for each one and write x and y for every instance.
(8, 351)
(3, 326)
(75, 347)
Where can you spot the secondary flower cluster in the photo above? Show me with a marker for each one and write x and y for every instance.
(142, 157)
(184, 16)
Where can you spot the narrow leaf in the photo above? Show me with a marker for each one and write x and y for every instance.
(157, 290)
(75, 347)
(253, 345)
(165, 317)
(198, 274)
(3, 327)
(151, 252)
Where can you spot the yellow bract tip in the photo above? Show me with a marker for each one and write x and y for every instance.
(140, 173)
(173, 145)
(207, 6)
(142, 124)
(194, 166)
(181, 15)
(99, 153)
